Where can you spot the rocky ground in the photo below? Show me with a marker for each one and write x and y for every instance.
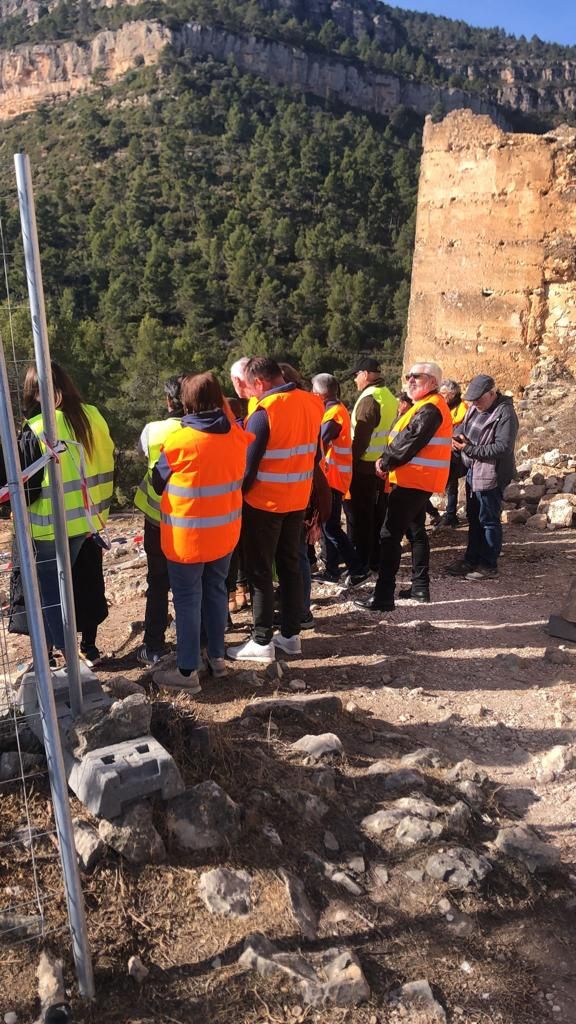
(413, 862)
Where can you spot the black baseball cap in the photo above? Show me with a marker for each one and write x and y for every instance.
(364, 363)
(478, 386)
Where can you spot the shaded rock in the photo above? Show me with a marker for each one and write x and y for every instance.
(517, 800)
(133, 836)
(379, 768)
(308, 806)
(412, 831)
(343, 879)
(120, 687)
(137, 970)
(327, 744)
(520, 843)
(382, 821)
(90, 847)
(333, 976)
(569, 486)
(249, 678)
(556, 657)
(226, 892)
(276, 671)
(537, 522)
(204, 817)
(125, 720)
(324, 779)
(357, 864)
(467, 771)
(330, 842)
(459, 817)
(424, 757)
(13, 765)
(302, 910)
(418, 996)
(513, 492)
(418, 806)
(402, 779)
(312, 704)
(14, 927)
(458, 867)
(555, 762)
(472, 792)
(297, 685)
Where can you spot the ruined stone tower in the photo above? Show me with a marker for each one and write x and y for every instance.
(494, 275)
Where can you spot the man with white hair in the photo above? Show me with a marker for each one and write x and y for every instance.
(416, 461)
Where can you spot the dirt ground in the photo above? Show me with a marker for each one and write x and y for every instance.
(424, 676)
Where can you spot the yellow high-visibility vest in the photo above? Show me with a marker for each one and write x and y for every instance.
(146, 499)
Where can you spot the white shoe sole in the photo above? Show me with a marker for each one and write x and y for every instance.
(260, 658)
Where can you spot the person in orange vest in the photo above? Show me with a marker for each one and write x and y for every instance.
(336, 435)
(199, 475)
(277, 486)
(452, 392)
(417, 462)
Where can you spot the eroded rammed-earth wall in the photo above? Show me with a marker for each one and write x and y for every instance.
(494, 275)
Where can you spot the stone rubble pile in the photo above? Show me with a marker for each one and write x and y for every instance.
(543, 496)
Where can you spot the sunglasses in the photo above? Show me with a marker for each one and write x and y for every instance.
(415, 376)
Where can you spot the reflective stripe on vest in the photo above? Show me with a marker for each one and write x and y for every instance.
(99, 468)
(428, 470)
(146, 499)
(338, 460)
(201, 505)
(388, 408)
(284, 476)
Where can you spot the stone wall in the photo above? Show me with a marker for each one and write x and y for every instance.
(494, 273)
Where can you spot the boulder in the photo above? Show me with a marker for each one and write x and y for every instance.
(126, 719)
(555, 762)
(537, 522)
(569, 486)
(226, 892)
(332, 976)
(513, 492)
(533, 492)
(458, 867)
(133, 836)
(519, 842)
(412, 831)
(204, 817)
(515, 516)
(317, 747)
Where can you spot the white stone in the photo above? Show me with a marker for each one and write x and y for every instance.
(137, 970)
(316, 747)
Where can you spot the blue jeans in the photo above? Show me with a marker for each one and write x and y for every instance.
(339, 547)
(49, 586)
(201, 602)
(483, 509)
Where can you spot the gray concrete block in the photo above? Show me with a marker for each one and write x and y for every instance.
(108, 779)
(27, 700)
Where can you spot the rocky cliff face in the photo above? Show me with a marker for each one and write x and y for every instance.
(30, 75)
(34, 74)
(494, 273)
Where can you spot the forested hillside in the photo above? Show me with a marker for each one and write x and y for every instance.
(191, 214)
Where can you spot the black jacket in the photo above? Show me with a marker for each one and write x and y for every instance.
(413, 438)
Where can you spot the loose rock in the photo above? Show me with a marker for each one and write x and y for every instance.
(204, 817)
(424, 757)
(412, 831)
(226, 892)
(458, 867)
(133, 836)
(90, 847)
(556, 656)
(520, 843)
(284, 707)
(557, 761)
(137, 970)
(317, 747)
(125, 720)
(302, 910)
(467, 771)
(330, 842)
(459, 817)
(417, 995)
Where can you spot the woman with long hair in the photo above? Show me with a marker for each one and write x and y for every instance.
(87, 466)
(199, 475)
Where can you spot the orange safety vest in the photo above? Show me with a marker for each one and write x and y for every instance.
(201, 506)
(338, 456)
(284, 478)
(429, 469)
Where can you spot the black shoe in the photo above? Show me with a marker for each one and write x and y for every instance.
(447, 520)
(325, 577)
(90, 654)
(435, 520)
(408, 594)
(372, 605)
(307, 623)
(355, 579)
(144, 656)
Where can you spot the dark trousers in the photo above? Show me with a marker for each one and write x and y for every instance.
(483, 509)
(405, 514)
(365, 513)
(339, 547)
(273, 537)
(452, 487)
(156, 614)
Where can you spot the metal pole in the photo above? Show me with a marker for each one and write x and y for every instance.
(42, 356)
(52, 742)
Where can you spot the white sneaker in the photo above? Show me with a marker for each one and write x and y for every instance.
(251, 651)
(291, 645)
(172, 679)
(216, 667)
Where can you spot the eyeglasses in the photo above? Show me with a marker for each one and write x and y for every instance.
(415, 376)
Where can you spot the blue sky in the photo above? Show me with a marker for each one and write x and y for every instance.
(553, 20)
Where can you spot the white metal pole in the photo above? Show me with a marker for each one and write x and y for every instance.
(52, 741)
(43, 364)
